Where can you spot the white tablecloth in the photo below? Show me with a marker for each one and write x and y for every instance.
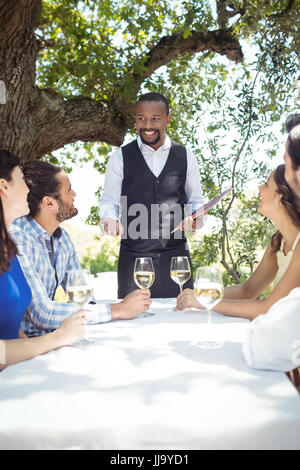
(144, 384)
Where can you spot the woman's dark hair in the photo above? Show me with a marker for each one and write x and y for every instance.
(153, 96)
(8, 249)
(292, 124)
(41, 180)
(288, 201)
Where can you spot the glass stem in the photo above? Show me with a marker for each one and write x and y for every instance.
(209, 322)
(180, 287)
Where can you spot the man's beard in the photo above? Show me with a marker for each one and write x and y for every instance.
(153, 142)
(65, 212)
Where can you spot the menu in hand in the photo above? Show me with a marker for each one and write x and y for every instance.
(204, 209)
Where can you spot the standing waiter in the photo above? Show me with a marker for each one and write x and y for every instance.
(149, 173)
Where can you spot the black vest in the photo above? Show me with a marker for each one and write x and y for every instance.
(154, 205)
(152, 238)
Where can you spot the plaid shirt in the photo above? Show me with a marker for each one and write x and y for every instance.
(45, 269)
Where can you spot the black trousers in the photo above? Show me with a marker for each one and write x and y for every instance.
(163, 285)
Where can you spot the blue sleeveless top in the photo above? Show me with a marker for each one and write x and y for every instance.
(15, 297)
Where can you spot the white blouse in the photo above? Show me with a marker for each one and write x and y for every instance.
(283, 260)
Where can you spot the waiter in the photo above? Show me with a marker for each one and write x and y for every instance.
(149, 183)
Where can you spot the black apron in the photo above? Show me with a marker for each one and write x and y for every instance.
(151, 207)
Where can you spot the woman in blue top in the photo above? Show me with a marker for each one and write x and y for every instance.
(15, 294)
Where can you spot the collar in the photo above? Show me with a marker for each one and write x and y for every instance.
(165, 146)
(58, 233)
(38, 230)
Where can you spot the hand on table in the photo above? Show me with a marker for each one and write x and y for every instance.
(111, 226)
(187, 299)
(132, 305)
(72, 328)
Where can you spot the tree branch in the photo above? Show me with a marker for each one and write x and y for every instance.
(171, 47)
(62, 122)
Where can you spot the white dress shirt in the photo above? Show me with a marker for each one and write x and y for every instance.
(156, 160)
(273, 338)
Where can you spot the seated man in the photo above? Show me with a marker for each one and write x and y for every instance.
(46, 254)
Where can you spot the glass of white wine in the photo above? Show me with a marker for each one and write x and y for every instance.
(144, 276)
(79, 290)
(209, 291)
(180, 270)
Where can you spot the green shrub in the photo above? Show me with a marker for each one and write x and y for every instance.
(106, 259)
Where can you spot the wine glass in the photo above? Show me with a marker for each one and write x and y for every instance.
(209, 291)
(180, 270)
(144, 276)
(79, 290)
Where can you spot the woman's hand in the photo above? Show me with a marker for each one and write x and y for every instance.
(187, 299)
(72, 328)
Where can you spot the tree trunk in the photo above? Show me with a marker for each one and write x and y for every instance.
(18, 54)
(36, 121)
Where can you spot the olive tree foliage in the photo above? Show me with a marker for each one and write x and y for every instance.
(71, 71)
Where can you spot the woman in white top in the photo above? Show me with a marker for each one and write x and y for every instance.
(280, 262)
